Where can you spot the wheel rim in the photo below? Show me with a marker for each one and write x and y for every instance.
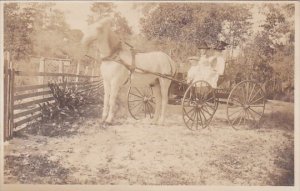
(141, 103)
(199, 105)
(245, 105)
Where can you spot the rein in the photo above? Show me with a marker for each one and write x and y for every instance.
(114, 56)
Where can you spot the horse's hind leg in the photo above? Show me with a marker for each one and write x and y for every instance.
(107, 89)
(114, 89)
(164, 84)
(157, 96)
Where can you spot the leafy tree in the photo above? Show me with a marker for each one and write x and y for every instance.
(18, 26)
(274, 45)
(37, 29)
(189, 25)
(237, 27)
(100, 10)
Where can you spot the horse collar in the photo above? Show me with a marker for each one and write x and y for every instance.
(116, 57)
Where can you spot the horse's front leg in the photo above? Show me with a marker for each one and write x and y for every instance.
(164, 84)
(114, 89)
(157, 96)
(107, 90)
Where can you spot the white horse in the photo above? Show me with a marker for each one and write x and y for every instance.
(115, 74)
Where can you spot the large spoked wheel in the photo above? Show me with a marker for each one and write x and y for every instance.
(199, 105)
(141, 103)
(245, 105)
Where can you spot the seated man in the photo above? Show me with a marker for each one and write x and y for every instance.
(210, 66)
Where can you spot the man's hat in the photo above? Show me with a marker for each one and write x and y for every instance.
(193, 58)
(203, 45)
(220, 45)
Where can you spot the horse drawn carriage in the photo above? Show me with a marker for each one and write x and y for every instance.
(245, 101)
(155, 71)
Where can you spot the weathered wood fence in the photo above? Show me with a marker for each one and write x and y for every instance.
(21, 102)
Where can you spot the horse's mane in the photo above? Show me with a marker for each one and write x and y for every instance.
(114, 42)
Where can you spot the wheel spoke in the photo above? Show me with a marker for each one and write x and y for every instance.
(211, 98)
(244, 117)
(250, 101)
(201, 112)
(190, 118)
(255, 112)
(251, 92)
(189, 106)
(140, 108)
(247, 91)
(152, 108)
(210, 106)
(257, 99)
(198, 92)
(235, 106)
(136, 95)
(194, 118)
(238, 101)
(241, 117)
(136, 105)
(205, 123)
(252, 116)
(244, 96)
(139, 92)
(257, 105)
(187, 113)
(207, 111)
(149, 109)
(134, 100)
(151, 100)
(235, 112)
(235, 119)
(197, 120)
(203, 120)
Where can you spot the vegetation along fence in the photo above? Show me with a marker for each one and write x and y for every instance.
(21, 102)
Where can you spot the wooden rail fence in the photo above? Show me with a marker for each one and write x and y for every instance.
(21, 102)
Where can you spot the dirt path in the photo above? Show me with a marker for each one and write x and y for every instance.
(135, 152)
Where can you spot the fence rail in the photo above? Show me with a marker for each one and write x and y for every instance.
(21, 103)
(22, 73)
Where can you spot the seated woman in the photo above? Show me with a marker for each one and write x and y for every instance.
(210, 66)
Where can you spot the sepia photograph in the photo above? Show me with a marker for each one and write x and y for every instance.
(148, 93)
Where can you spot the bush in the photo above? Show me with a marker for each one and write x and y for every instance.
(68, 101)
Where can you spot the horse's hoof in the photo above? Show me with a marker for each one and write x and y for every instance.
(108, 123)
(154, 123)
(104, 125)
(161, 123)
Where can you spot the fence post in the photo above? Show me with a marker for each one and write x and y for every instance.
(60, 70)
(41, 78)
(41, 69)
(9, 98)
(6, 96)
(86, 70)
(11, 105)
(77, 73)
(93, 72)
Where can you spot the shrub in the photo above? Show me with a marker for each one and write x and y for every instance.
(67, 102)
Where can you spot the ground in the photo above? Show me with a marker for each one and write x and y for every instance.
(134, 152)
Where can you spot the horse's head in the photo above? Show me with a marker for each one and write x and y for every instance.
(101, 32)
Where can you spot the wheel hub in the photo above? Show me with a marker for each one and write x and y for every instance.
(246, 106)
(198, 107)
(146, 99)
